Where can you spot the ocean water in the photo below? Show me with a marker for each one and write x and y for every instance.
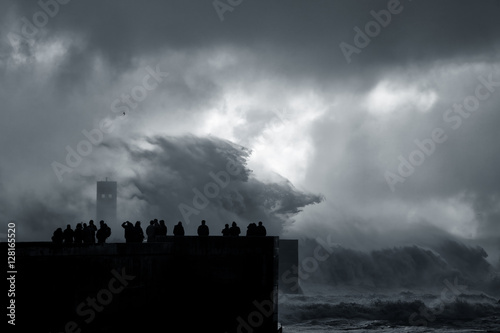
(444, 286)
(323, 309)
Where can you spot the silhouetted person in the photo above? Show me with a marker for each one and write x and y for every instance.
(261, 230)
(87, 234)
(151, 232)
(58, 236)
(226, 231)
(156, 227)
(160, 231)
(234, 230)
(203, 229)
(179, 229)
(252, 229)
(129, 231)
(103, 232)
(101, 237)
(93, 230)
(78, 236)
(162, 228)
(68, 235)
(138, 232)
(108, 230)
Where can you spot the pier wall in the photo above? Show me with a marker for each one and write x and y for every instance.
(185, 284)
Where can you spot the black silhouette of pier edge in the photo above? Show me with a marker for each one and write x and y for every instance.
(189, 283)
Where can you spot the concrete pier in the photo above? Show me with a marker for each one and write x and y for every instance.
(185, 284)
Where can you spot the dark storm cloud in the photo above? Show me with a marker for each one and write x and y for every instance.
(293, 37)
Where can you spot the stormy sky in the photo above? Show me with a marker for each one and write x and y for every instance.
(369, 121)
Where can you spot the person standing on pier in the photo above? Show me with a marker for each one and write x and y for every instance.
(93, 230)
(234, 230)
(261, 230)
(129, 231)
(179, 229)
(203, 229)
(138, 232)
(68, 235)
(226, 230)
(151, 231)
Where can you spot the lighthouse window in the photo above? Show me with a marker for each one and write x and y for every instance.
(110, 196)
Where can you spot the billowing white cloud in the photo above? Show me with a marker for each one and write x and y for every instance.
(388, 97)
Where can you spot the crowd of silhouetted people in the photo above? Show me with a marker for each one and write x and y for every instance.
(83, 234)
(156, 231)
(252, 230)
